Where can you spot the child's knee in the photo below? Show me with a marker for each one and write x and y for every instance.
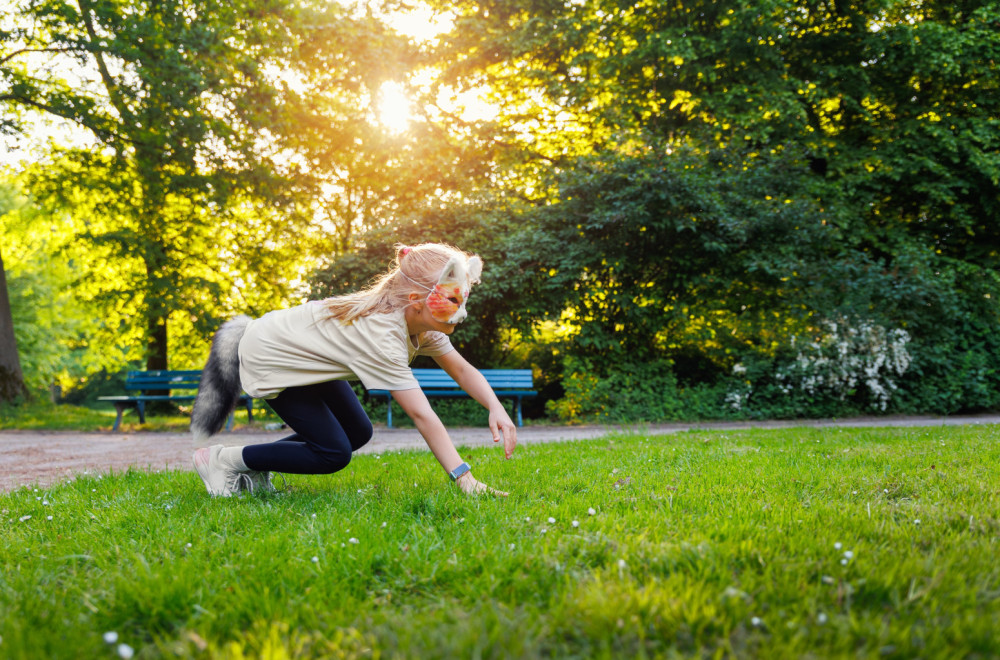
(362, 436)
(334, 461)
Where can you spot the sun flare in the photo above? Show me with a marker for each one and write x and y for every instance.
(394, 108)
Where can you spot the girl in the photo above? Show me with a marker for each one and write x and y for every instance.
(299, 359)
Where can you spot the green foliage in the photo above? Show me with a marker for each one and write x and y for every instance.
(695, 185)
(477, 228)
(627, 393)
(713, 180)
(756, 544)
(180, 185)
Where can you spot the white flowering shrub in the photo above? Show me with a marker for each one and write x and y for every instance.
(859, 361)
(849, 357)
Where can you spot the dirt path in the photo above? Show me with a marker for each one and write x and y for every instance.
(44, 458)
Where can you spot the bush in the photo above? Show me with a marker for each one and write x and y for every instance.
(643, 392)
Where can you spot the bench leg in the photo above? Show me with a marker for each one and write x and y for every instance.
(517, 411)
(250, 411)
(141, 407)
(229, 420)
(388, 400)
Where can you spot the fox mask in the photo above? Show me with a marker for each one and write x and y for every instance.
(448, 297)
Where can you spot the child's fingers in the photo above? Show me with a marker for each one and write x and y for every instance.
(509, 440)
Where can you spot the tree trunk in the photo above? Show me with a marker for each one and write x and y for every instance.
(11, 378)
(156, 358)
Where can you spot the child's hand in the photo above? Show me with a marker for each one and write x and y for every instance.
(470, 486)
(502, 427)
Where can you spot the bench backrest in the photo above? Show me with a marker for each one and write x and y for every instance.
(163, 380)
(499, 379)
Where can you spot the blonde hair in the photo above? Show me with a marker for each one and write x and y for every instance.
(416, 269)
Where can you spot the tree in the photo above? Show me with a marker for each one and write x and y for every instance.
(11, 376)
(179, 98)
(894, 102)
(11, 379)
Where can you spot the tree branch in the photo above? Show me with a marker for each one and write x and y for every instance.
(36, 50)
(104, 135)
(109, 82)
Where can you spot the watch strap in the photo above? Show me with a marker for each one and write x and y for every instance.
(459, 471)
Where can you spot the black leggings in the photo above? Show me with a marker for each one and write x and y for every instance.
(329, 425)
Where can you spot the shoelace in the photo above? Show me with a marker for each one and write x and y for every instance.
(240, 481)
(260, 477)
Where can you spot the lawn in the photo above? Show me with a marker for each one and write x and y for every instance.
(771, 544)
(43, 415)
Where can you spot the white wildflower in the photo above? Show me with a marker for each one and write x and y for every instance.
(551, 520)
(110, 637)
(591, 511)
(576, 523)
(353, 540)
(315, 559)
(125, 651)
(838, 545)
(756, 622)
(821, 618)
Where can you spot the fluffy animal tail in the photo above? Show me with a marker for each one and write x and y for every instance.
(219, 389)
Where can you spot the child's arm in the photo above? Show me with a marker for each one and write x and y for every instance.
(415, 404)
(475, 385)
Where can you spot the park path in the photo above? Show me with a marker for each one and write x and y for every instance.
(41, 458)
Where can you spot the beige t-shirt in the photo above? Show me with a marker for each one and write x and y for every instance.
(303, 346)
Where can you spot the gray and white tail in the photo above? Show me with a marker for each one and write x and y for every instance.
(219, 389)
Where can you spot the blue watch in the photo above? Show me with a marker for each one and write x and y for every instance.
(459, 471)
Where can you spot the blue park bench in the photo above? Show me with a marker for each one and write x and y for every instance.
(158, 381)
(506, 383)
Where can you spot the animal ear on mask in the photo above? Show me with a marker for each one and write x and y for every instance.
(475, 269)
(453, 271)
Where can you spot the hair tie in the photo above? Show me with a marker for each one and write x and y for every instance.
(405, 251)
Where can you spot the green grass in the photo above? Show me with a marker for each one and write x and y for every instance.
(701, 544)
(41, 414)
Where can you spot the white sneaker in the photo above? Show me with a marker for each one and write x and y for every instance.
(221, 477)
